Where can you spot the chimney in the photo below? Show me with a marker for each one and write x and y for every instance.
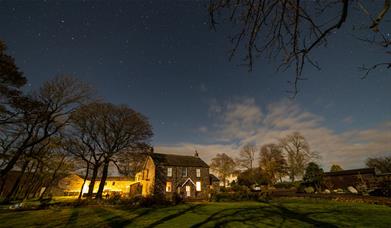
(196, 154)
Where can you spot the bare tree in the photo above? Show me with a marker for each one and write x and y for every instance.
(247, 156)
(114, 130)
(272, 162)
(131, 162)
(298, 154)
(82, 144)
(42, 115)
(223, 165)
(290, 30)
(11, 80)
(382, 164)
(42, 166)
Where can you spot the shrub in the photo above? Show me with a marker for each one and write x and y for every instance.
(309, 190)
(384, 189)
(284, 185)
(239, 188)
(239, 196)
(177, 198)
(301, 188)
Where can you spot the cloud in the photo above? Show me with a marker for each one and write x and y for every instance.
(236, 119)
(348, 120)
(202, 129)
(242, 121)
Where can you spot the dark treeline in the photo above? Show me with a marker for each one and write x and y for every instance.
(58, 128)
(288, 157)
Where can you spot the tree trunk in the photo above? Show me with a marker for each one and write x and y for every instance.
(52, 178)
(92, 183)
(11, 163)
(16, 184)
(26, 182)
(103, 179)
(38, 182)
(29, 183)
(2, 184)
(84, 181)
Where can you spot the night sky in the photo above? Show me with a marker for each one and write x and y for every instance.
(162, 59)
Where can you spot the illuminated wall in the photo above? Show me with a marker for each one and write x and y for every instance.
(73, 183)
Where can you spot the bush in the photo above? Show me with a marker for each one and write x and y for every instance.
(301, 188)
(309, 190)
(177, 198)
(239, 188)
(384, 189)
(150, 201)
(223, 189)
(240, 196)
(284, 185)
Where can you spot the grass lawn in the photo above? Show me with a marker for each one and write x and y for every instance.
(279, 213)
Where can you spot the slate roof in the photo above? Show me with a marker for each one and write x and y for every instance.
(213, 178)
(109, 178)
(351, 172)
(177, 160)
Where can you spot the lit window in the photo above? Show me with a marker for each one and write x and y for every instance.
(168, 186)
(184, 172)
(198, 172)
(198, 186)
(169, 172)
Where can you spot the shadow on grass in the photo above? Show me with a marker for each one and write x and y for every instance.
(117, 220)
(271, 215)
(267, 215)
(73, 217)
(172, 216)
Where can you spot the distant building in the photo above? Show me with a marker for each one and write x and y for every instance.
(354, 177)
(166, 174)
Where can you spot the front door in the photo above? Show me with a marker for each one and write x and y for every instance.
(188, 191)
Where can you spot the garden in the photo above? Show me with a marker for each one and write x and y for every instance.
(279, 212)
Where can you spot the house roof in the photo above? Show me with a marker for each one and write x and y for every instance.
(119, 178)
(351, 172)
(177, 160)
(109, 178)
(213, 178)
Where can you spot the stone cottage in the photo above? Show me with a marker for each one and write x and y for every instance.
(166, 174)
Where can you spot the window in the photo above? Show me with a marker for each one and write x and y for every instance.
(198, 186)
(198, 172)
(168, 186)
(169, 172)
(184, 172)
(113, 183)
(147, 173)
